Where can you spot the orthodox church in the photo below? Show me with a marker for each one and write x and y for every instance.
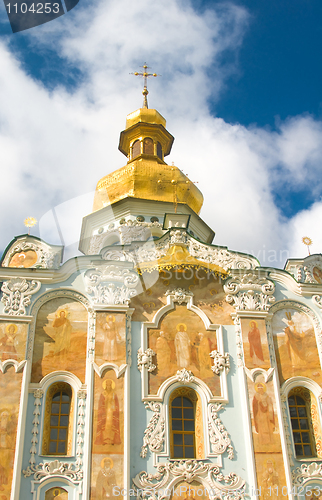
(157, 365)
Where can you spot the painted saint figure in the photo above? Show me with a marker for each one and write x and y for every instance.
(63, 329)
(108, 417)
(294, 341)
(110, 339)
(204, 356)
(105, 481)
(263, 411)
(255, 344)
(270, 481)
(182, 346)
(7, 343)
(163, 354)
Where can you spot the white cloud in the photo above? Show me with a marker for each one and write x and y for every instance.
(56, 144)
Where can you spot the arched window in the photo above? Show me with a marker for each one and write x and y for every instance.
(159, 151)
(58, 421)
(56, 492)
(148, 146)
(304, 421)
(136, 149)
(183, 428)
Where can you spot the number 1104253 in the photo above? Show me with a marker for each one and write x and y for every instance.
(35, 8)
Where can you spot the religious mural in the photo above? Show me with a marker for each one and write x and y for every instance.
(190, 491)
(13, 341)
(271, 476)
(181, 341)
(255, 343)
(206, 287)
(108, 435)
(10, 387)
(56, 494)
(110, 342)
(26, 258)
(60, 339)
(295, 345)
(317, 274)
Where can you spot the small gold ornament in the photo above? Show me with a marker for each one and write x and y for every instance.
(308, 242)
(30, 222)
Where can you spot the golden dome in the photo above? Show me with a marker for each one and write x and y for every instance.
(145, 142)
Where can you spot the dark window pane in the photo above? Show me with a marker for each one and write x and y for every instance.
(176, 402)
(61, 446)
(302, 412)
(62, 434)
(188, 439)
(64, 409)
(177, 425)
(188, 413)
(176, 413)
(189, 452)
(56, 397)
(189, 425)
(298, 450)
(148, 146)
(52, 447)
(293, 412)
(53, 421)
(65, 397)
(291, 401)
(187, 403)
(297, 437)
(177, 439)
(305, 437)
(300, 401)
(307, 450)
(64, 421)
(136, 149)
(304, 424)
(177, 452)
(159, 150)
(295, 423)
(55, 409)
(53, 434)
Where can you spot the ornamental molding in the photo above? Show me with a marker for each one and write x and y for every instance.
(302, 270)
(91, 329)
(218, 435)
(317, 300)
(111, 284)
(168, 475)
(145, 252)
(47, 256)
(239, 342)
(178, 236)
(154, 433)
(55, 468)
(145, 359)
(288, 436)
(220, 256)
(221, 362)
(81, 395)
(38, 395)
(306, 472)
(184, 376)
(128, 326)
(16, 295)
(179, 295)
(251, 291)
(19, 366)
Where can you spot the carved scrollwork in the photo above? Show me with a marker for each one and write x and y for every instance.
(145, 359)
(47, 257)
(221, 256)
(219, 437)
(251, 291)
(178, 236)
(54, 468)
(307, 472)
(80, 427)
(317, 299)
(189, 470)
(38, 394)
(111, 284)
(221, 362)
(16, 295)
(179, 295)
(184, 376)
(154, 433)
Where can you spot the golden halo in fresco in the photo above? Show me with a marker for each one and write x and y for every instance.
(253, 321)
(11, 324)
(104, 460)
(260, 384)
(108, 380)
(110, 316)
(181, 324)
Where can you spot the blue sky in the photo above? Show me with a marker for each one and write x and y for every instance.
(240, 87)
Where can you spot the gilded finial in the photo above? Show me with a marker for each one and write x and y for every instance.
(308, 242)
(145, 74)
(30, 222)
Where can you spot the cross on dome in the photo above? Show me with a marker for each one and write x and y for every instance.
(145, 74)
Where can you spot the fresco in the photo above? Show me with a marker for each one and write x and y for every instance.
(110, 342)
(271, 476)
(13, 341)
(295, 345)
(255, 343)
(60, 339)
(56, 494)
(108, 435)
(10, 386)
(207, 289)
(190, 491)
(181, 341)
(317, 274)
(23, 259)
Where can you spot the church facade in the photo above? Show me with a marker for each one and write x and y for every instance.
(157, 365)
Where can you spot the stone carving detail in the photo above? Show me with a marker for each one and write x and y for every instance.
(128, 339)
(111, 285)
(179, 295)
(91, 334)
(154, 433)
(184, 376)
(287, 429)
(178, 236)
(145, 359)
(38, 394)
(80, 428)
(54, 468)
(16, 295)
(47, 257)
(221, 256)
(307, 472)
(230, 486)
(218, 436)
(239, 343)
(221, 362)
(250, 291)
(317, 299)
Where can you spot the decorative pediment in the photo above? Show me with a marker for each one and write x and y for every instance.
(30, 252)
(250, 291)
(308, 270)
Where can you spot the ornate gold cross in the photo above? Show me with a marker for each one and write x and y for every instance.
(145, 74)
